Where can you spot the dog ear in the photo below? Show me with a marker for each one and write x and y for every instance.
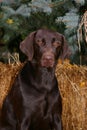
(65, 50)
(26, 46)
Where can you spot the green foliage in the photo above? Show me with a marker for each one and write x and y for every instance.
(20, 17)
(19, 21)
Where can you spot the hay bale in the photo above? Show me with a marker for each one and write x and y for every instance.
(8, 73)
(73, 87)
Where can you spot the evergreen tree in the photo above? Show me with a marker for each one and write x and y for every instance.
(20, 17)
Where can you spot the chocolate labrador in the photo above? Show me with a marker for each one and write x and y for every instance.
(34, 101)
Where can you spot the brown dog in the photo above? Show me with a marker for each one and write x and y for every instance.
(34, 101)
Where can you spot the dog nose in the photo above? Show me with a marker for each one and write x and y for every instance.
(48, 58)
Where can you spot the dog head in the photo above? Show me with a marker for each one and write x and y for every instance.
(45, 47)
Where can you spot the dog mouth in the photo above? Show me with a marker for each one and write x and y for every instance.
(47, 63)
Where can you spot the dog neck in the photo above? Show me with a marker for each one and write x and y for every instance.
(46, 75)
(41, 77)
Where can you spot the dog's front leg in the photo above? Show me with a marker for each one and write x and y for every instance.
(7, 117)
(23, 123)
(57, 122)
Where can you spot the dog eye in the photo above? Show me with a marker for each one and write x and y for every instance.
(56, 44)
(41, 42)
(53, 40)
